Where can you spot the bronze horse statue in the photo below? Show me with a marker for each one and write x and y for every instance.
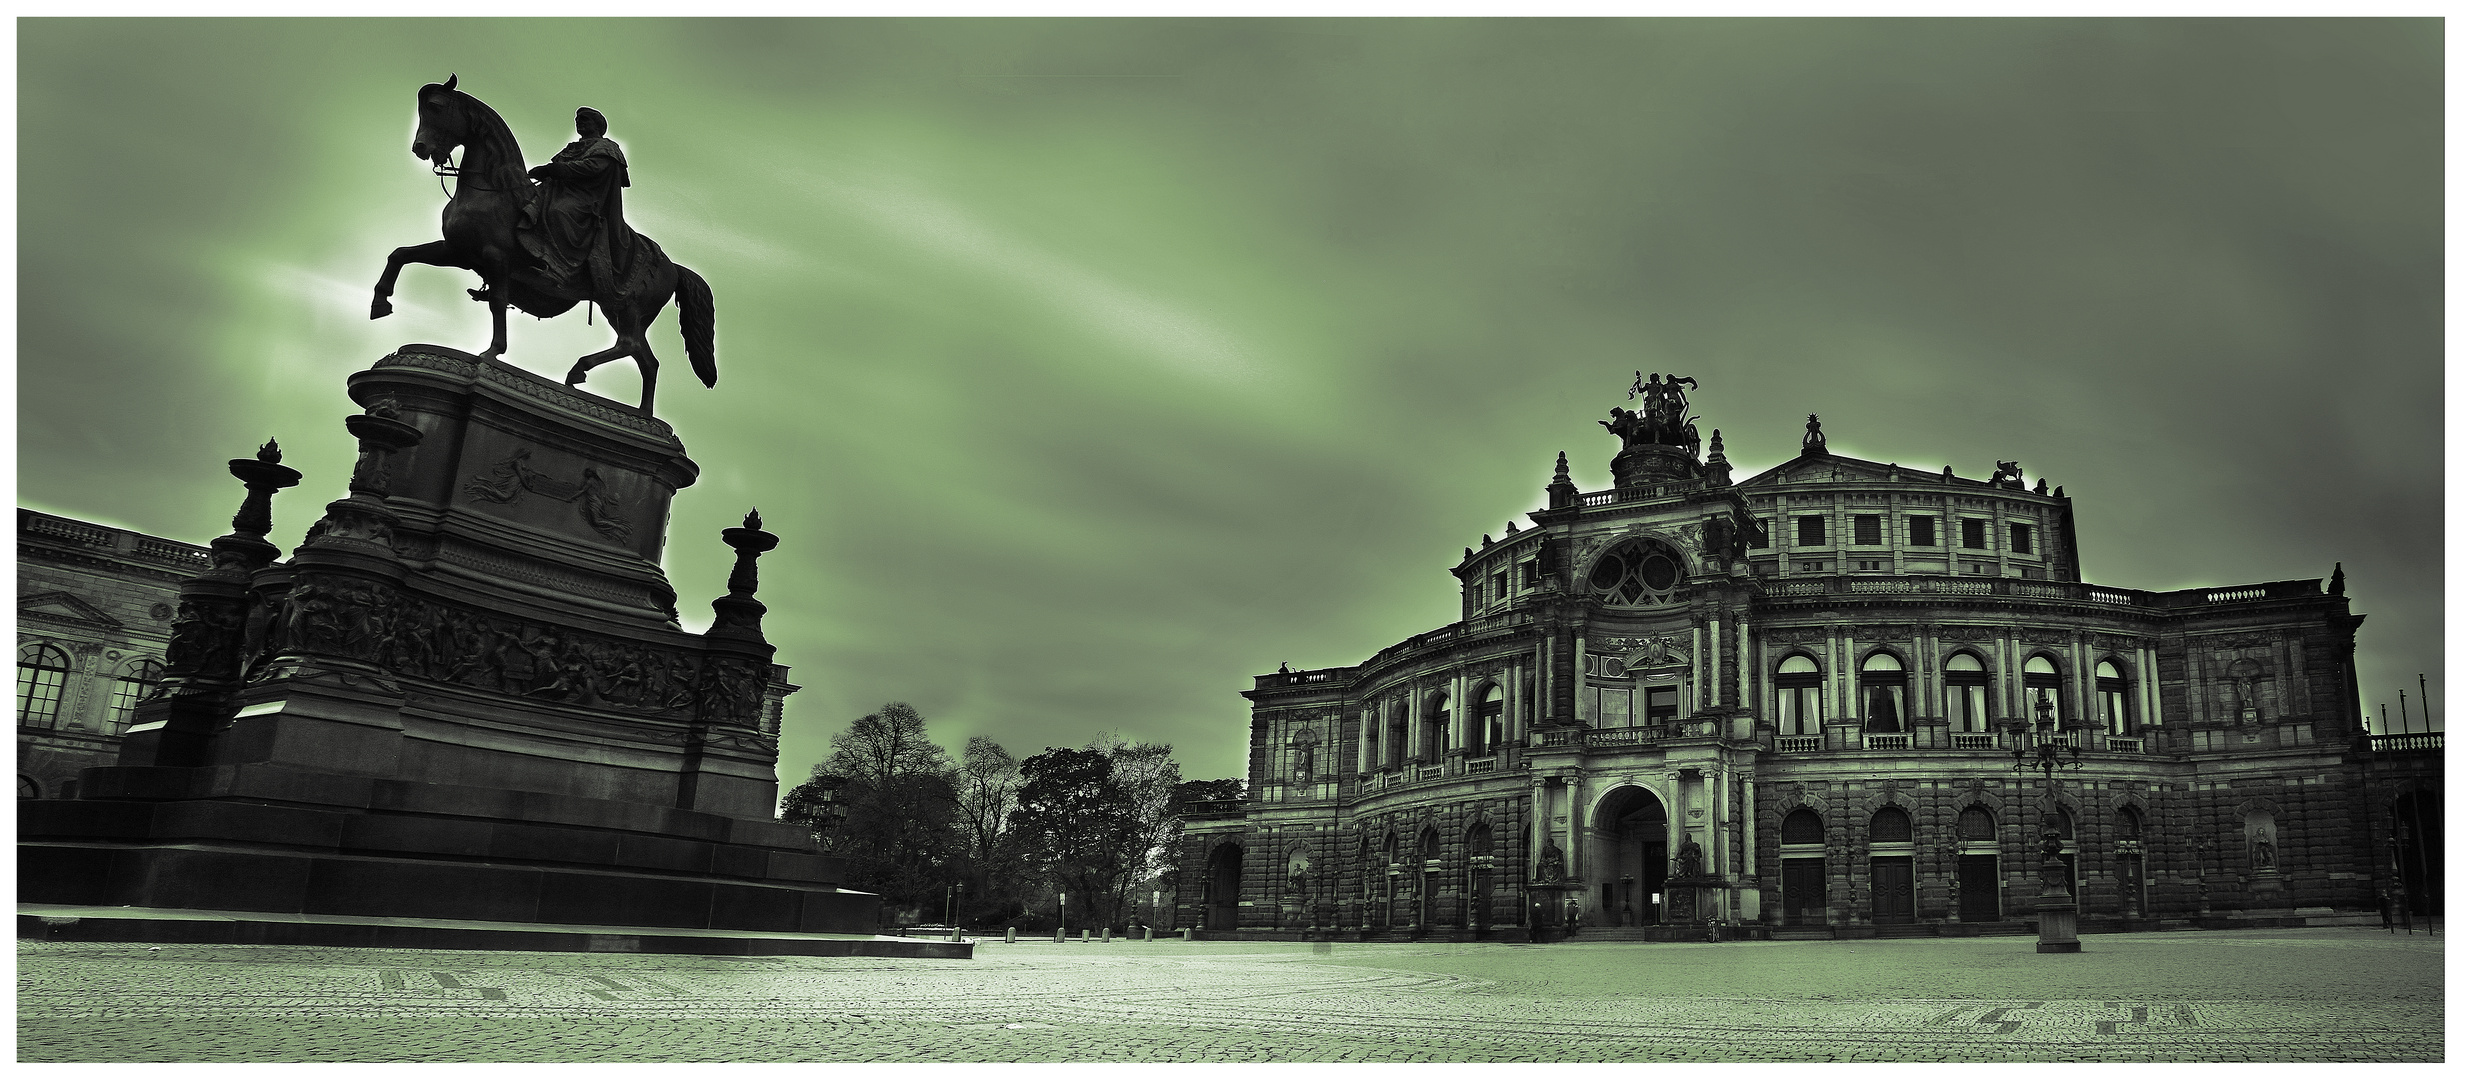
(491, 189)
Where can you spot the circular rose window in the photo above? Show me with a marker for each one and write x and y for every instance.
(1637, 572)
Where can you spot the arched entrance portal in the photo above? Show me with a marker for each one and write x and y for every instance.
(1224, 887)
(1630, 857)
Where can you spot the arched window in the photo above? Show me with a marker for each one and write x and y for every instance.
(1489, 724)
(1429, 842)
(27, 788)
(1398, 724)
(2127, 824)
(1434, 728)
(137, 679)
(1890, 826)
(1797, 696)
(1964, 693)
(1636, 573)
(2113, 699)
(2062, 824)
(1885, 687)
(1802, 826)
(42, 678)
(2044, 684)
(1976, 823)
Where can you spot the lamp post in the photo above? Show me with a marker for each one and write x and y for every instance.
(2058, 914)
(830, 813)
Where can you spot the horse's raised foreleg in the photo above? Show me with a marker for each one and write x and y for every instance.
(433, 253)
(583, 366)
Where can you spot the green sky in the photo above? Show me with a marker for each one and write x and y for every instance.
(1089, 367)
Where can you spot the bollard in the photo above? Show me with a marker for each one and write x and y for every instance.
(1186, 933)
(1056, 935)
(1085, 935)
(1151, 933)
(1108, 935)
(1010, 936)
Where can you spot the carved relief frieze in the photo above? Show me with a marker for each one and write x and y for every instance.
(1970, 633)
(2036, 636)
(333, 615)
(2235, 641)
(511, 478)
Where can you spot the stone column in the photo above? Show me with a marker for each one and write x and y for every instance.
(1709, 650)
(1747, 671)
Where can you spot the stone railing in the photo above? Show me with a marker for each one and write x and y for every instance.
(1887, 742)
(1973, 742)
(1480, 765)
(2035, 589)
(1428, 772)
(2122, 745)
(1621, 736)
(2420, 740)
(1798, 744)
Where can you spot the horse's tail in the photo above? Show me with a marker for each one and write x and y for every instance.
(694, 308)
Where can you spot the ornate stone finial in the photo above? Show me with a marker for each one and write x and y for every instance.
(750, 542)
(2336, 581)
(1947, 474)
(1814, 444)
(264, 475)
(753, 518)
(1561, 489)
(1716, 464)
(1467, 554)
(2058, 492)
(2041, 485)
(1486, 541)
(1510, 528)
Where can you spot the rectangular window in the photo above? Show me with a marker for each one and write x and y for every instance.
(1810, 531)
(1869, 529)
(1497, 586)
(1660, 705)
(1763, 534)
(2020, 538)
(1532, 573)
(1921, 530)
(1972, 532)
(1874, 564)
(1814, 567)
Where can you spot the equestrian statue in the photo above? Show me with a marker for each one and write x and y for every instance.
(547, 238)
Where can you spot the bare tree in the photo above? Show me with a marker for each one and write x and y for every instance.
(988, 791)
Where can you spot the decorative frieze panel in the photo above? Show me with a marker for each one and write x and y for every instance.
(372, 622)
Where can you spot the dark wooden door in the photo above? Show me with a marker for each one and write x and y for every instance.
(2127, 877)
(1801, 891)
(1980, 893)
(1895, 893)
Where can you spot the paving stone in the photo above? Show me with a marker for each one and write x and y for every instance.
(2285, 995)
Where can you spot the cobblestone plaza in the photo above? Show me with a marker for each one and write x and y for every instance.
(2341, 994)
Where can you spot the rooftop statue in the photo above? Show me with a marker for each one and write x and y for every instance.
(1661, 421)
(547, 238)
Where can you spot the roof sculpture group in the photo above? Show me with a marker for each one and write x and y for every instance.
(1661, 421)
(547, 238)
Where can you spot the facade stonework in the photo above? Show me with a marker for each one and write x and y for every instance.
(1795, 705)
(102, 600)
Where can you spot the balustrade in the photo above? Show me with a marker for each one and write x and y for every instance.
(1798, 744)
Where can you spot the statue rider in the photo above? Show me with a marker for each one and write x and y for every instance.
(574, 226)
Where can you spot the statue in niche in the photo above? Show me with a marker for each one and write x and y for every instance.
(1689, 861)
(1553, 863)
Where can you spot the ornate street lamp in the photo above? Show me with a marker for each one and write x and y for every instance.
(829, 813)
(2058, 914)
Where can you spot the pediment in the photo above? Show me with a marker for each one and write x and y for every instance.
(1830, 468)
(62, 607)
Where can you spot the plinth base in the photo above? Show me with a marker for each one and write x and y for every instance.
(260, 838)
(60, 922)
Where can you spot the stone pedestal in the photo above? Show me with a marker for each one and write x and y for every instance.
(2058, 915)
(464, 696)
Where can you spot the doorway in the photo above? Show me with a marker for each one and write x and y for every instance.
(1224, 888)
(1802, 897)
(1631, 832)
(1895, 896)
